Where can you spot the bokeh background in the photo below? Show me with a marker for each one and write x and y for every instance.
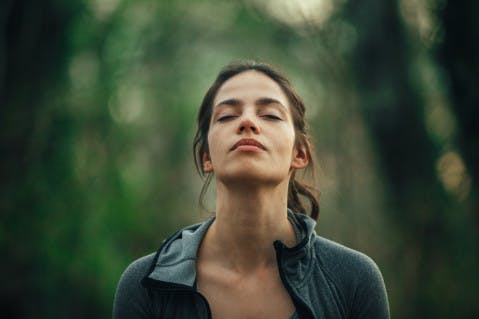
(98, 105)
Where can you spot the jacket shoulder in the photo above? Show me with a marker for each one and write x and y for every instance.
(356, 276)
(342, 260)
(131, 298)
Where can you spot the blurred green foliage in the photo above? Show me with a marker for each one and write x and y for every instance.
(98, 106)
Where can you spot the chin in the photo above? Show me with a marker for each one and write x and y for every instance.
(252, 176)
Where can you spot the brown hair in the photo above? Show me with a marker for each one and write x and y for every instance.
(200, 143)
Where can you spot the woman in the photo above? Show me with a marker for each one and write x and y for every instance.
(258, 256)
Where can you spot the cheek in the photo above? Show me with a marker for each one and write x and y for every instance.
(214, 142)
(289, 139)
(292, 145)
(211, 137)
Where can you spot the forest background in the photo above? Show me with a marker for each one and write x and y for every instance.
(98, 100)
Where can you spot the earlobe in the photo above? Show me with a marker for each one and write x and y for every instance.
(207, 166)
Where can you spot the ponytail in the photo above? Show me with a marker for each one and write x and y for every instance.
(297, 188)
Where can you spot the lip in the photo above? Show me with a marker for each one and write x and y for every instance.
(248, 144)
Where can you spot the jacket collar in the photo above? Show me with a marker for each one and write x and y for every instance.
(175, 261)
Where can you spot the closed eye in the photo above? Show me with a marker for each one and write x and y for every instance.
(225, 118)
(271, 117)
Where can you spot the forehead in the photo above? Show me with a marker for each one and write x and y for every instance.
(250, 84)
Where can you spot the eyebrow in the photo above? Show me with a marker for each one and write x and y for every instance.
(261, 102)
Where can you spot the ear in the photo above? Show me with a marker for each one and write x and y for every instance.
(300, 157)
(207, 165)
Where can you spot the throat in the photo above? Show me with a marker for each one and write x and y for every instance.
(243, 247)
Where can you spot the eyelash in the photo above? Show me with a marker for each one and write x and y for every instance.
(225, 118)
(271, 117)
(267, 116)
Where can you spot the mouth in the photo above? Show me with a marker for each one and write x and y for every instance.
(248, 144)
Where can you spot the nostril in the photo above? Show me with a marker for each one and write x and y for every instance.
(247, 124)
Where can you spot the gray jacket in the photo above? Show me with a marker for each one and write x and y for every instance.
(323, 278)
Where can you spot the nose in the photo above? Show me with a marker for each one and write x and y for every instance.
(248, 125)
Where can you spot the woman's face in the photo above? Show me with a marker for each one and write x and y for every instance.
(251, 135)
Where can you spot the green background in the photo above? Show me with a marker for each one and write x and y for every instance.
(98, 101)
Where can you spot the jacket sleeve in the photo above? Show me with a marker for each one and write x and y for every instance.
(369, 296)
(131, 298)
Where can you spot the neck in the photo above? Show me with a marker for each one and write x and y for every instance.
(248, 221)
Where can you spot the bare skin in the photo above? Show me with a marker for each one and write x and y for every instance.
(237, 270)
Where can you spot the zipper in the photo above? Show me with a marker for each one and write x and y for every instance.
(178, 288)
(195, 292)
(298, 302)
(208, 310)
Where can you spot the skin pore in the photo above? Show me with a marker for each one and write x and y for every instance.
(236, 265)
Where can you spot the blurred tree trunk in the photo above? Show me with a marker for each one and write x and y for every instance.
(392, 110)
(24, 73)
(35, 174)
(459, 54)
